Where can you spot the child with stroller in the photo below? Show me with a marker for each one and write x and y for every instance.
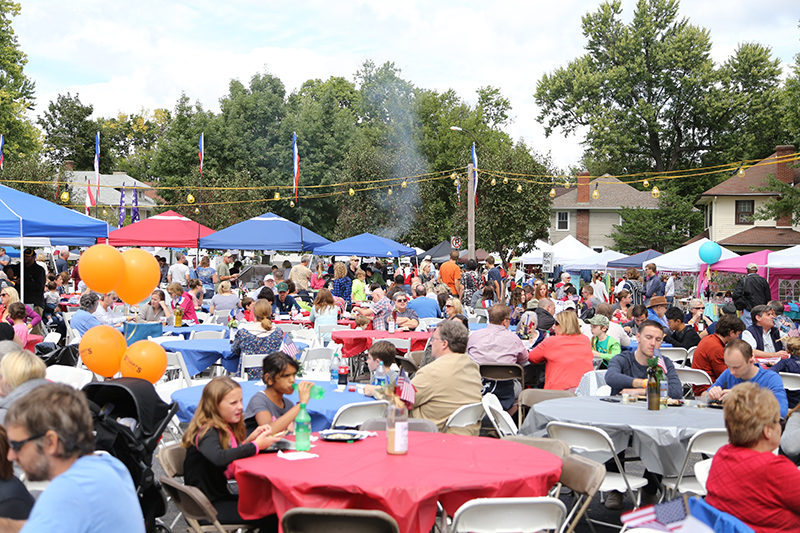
(215, 438)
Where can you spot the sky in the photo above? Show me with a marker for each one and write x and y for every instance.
(129, 56)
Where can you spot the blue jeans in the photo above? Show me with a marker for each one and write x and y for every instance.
(746, 318)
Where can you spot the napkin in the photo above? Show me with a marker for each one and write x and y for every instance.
(296, 456)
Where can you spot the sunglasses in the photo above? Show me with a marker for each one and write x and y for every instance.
(401, 300)
(3, 294)
(17, 445)
(449, 305)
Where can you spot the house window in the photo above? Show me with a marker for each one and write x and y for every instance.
(562, 221)
(709, 215)
(744, 211)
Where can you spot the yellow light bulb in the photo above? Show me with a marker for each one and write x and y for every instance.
(351, 192)
(389, 192)
(494, 182)
(595, 194)
(196, 210)
(519, 188)
(655, 192)
(190, 198)
(404, 184)
(552, 193)
(741, 171)
(646, 183)
(505, 181)
(566, 184)
(454, 176)
(65, 197)
(277, 196)
(291, 204)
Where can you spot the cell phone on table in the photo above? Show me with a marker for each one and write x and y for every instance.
(612, 399)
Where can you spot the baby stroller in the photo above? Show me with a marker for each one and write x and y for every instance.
(129, 418)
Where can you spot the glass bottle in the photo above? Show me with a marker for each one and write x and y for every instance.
(396, 430)
(653, 391)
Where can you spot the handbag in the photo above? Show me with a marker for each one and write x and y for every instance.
(137, 331)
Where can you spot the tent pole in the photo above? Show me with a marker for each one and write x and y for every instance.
(22, 266)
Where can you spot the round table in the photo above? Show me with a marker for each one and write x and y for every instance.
(355, 341)
(199, 354)
(658, 437)
(186, 331)
(451, 469)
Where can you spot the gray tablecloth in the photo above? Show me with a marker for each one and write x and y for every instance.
(658, 437)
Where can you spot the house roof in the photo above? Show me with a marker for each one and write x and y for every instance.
(763, 237)
(703, 235)
(614, 194)
(754, 178)
(110, 188)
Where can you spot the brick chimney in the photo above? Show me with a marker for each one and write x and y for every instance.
(785, 173)
(69, 165)
(583, 187)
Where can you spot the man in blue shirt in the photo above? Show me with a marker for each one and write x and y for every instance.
(424, 306)
(284, 303)
(741, 367)
(50, 433)
(494, 278)
(61, 262)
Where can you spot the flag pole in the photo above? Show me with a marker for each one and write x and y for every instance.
(296, 168)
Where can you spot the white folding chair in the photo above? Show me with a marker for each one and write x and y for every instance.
(353, 415)
(219, 317)
(676, 354)
(400, 344)
(689, 355)
(465, 416)
(201, 317)
(250, 361)
(483, 315)
(706, 441)
(313, 359)
(198, 335)
(586, 439)
(70, 375)
(500, 419)
(290, 327)
(165, 338)
(693, 376)
(701, 470)
(73, 336)
(496, 515)
(428, 322)
(53, 337)
(790, 381)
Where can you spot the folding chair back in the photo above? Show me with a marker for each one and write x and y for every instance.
(197, 335)
(250, 361)
(428, 322)
(554, 446)
(318, 353)
(495, 515)
(330, 328)
(465, 416)
(353, 415)
(400, 344)
(584, 477)
(171, 458)
(500, 419)
(706, 441)
(53, 337)
(701, 470)
(194, 505)
(505, 372)
(416, 356)
(414, 424)
(693, 376)
(677, 354)
(164, 338)
(307, 520)
(790, 381)
(70, 375)
(408, 365)
(290, 327)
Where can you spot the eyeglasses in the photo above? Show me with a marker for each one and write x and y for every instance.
(17, 445)
(401, 300)
(698, 308)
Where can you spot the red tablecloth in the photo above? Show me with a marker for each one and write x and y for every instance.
(356, 341)
(307, 323)
(451, 469)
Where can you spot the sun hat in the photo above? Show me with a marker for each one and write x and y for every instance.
(599, 320)
(658, 300)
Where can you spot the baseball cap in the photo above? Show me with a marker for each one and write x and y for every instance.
(282, 287)
(752, 266)
(227, 254)
(269, 277)
(569, 304)
(599, 320)
(427, 258)
(29, 252)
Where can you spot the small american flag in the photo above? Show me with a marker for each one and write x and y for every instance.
(288, 346)
(404, 388)
(667, 516)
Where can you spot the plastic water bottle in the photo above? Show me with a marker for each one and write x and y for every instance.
(335, 362)
(380, 376)
(663, 392)
(390, 324)
(317, 392)
(302, 430)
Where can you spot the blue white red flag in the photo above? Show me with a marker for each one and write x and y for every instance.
(135, 210)
(475, 166)
(122, 206)
(404, 388)
(296, 163)
(97, 164)
(202, 152)
(667, 516)
(2, 143)
(458, 191)
(89, 198)
(288, 346)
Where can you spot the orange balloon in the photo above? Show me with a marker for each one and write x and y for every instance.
(145, 360)
(102, 268)
(101, 350)
(141, 276)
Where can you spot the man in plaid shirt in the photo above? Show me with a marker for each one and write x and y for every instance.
(381, 307)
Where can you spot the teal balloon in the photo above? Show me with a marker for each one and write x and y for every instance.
(710, 252)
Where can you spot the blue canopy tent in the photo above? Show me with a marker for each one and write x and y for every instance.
(27, 220)
(266, 232)
(366, 245)
(633, 260)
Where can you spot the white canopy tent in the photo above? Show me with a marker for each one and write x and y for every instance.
(597, 262)
(686, 258)
(788, 258)
(534, 257)
(567, 249)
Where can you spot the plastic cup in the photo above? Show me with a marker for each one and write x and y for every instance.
(701, 402)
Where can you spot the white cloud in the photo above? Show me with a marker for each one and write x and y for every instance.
(123, 56)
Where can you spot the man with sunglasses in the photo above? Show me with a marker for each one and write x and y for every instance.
(50, 437)
(406, 318)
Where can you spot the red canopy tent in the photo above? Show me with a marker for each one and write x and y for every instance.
(168, 229)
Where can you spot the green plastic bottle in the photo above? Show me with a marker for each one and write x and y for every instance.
(317, 392)
(302, 430)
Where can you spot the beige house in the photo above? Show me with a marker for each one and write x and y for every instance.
(729, 207)
(591, 220)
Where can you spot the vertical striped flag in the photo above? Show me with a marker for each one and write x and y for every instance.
(296, 163)
(458, 191)
(405, 389)
(97, 165)
(2, 143)
(475, 166)
(202, 152)
(122, 206)
(135, 210)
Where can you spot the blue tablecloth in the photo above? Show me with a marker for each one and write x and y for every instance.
(200, 354)
(321, 411)
(187, 330)
(474, 326)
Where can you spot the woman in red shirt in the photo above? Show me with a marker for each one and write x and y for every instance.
(568, 354)
(746, 479)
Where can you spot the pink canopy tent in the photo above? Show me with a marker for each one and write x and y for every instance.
(739, 264)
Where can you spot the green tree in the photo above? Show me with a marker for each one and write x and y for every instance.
(34, 175)
(650, 97)
(16, 89)
(663, 229)
(790, 104)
